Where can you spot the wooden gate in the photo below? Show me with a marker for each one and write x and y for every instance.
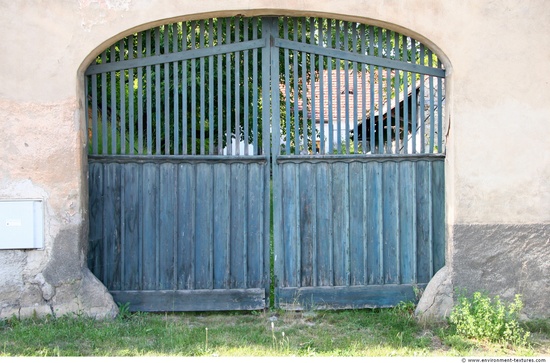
(192, 124)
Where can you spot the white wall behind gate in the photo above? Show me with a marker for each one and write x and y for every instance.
(498, 155)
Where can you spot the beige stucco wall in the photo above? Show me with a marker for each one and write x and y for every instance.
(498, 92)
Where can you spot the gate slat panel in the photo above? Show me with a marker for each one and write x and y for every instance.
(307, 187)
(238, 225)
(391, 222)
(150, 226)
(438, 214)
(255, 229)
(290, 225)
(374, 223)
(357, 216)
(112, 227)
(132, 234)
(424, 221)
(324, 226)
(407, 217)
(203, 227)
(96, 238)
(340, 210)
(186, 224)
(222, 212)
(167, 225)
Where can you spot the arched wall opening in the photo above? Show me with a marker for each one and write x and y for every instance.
(150, 149)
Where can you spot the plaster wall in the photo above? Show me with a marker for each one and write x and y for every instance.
(498, 157)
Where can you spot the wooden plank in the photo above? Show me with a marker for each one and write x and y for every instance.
(407, 218)
(350, 297)
(150, 226)
(290, 226)
(424, 221)
(357, 236)
(203, 227)
(222, 210)
(391, 222)
(186, 226)
(111, 227)
(167, 226)
(438, 214)
(255, 224)
(307, 224)
(340, 213)
(238, 225)
(374, 223)
(324, 226)
(131, 221)
(192, 300)
(95, 236)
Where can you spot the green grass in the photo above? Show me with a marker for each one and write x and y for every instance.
(377, 332)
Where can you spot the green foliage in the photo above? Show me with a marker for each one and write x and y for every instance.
(481, 317)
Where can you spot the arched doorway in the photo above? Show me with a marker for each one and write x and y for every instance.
(194, 124)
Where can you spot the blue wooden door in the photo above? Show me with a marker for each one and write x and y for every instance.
(358, 173)
(194, 124)
(178, 171)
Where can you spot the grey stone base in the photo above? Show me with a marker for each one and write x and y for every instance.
(504, 260)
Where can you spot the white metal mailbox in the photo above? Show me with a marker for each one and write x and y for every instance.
(21, 224)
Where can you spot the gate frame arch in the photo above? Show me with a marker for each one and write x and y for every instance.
(293, 13)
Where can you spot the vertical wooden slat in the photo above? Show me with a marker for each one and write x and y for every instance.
(287, 95)
(422, 110)
(324, 215)
(290, 226)
(440, 113)
(149, 102)
(150, 206)
(340, 210)
(424, 221)
(296, 98)
(184, 87)
(390, 192)
(313, 91)
(203, 226)
(346, 90)
(140, 94)
(167, 220)
(202, 97)
(330, 91)
(211, 123)
(193, 84)
(438, 214)
(357, 235)
(112, 226)
(113, 105)
(255, 90)
(304, 89)
(104, 106)
(186, 224)
(362, 35)
(397, 90)
(379, 74)
(122, 93)
(414, 100)
(176, 86)
(307, 225)
(131, 114)
(132, 219)
(255, 228)
(219, 66)
(95, 236)
(407, 218)
(321, 40)
(246, 85)
(375, 223)
(228, 90)
(237, 88)
(221, 215)
(238, 225)
(94, 115)
(166, 92)
(158, 111)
